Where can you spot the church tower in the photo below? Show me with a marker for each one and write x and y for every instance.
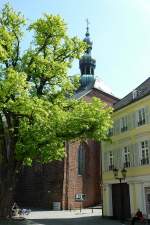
(87, 64)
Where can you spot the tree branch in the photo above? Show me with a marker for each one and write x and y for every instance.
(14, 62)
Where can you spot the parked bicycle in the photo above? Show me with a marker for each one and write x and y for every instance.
(16, 211)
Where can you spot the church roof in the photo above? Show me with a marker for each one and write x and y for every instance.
(100, 85)
(140, 92)
(97, 84)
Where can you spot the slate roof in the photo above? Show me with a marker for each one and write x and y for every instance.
(140, 92)
(84, 91)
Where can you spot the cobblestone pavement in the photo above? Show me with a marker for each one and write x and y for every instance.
(75, 217)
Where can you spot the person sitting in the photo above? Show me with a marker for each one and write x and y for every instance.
(15, 209)
(138, 217)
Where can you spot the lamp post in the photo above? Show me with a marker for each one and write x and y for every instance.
(121, 178)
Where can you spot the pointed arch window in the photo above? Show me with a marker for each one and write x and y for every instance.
(81, 159)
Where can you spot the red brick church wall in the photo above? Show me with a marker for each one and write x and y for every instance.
(90, 182)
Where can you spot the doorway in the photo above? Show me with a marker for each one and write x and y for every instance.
(147, 200)
(121, 201)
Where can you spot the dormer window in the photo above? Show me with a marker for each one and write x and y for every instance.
(134, 94)
(141, 117)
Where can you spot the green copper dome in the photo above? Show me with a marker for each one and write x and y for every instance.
(87, 80)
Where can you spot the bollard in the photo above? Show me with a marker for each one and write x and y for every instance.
(80, 207)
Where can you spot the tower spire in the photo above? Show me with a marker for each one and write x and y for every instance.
(87, 64)
(87, 28)
(87, 38)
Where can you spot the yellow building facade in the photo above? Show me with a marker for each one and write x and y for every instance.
(130, 149)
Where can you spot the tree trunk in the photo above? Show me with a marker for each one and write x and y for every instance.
(8, 165)
(7, 187)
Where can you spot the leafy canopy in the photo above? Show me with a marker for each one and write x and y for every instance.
(36, 95)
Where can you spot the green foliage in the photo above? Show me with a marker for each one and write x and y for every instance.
(33, 89)
(10, 33)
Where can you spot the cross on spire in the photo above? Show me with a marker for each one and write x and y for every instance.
(87, 28)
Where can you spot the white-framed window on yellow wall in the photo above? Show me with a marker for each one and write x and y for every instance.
(111, 160)
(124, 124)
(110, 132)
(144, 148)
(141, 117)
(126, 157)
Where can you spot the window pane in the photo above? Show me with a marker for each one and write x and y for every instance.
(81, 160)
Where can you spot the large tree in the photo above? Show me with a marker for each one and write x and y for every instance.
(38, 113)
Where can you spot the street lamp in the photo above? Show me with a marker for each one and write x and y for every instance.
(123, 172)
(120, 178)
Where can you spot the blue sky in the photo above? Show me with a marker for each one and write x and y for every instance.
(119, 29)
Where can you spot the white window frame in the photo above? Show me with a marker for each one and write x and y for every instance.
(111, 131)
(124, 124)
(126, 157)
(141, 117)
(144, 152)
(111, 160)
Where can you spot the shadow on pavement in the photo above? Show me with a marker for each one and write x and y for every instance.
(93, 220)
(96, 220)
